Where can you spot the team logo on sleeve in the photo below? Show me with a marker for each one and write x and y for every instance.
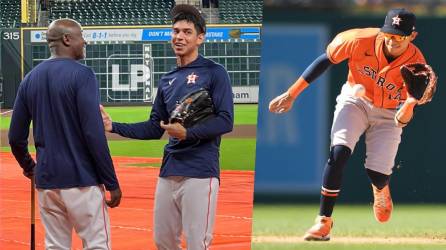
(396, 20)
(191, 78)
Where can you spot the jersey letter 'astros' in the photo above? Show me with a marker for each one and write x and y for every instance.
(368, 65)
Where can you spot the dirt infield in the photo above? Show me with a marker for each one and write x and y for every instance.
(132, 221)
(352, 240)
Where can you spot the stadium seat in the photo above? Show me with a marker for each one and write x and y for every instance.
(9, 14)
(139, 12)
(100, 12)
(241, 11)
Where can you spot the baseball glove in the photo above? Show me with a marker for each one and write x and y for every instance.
(195, 107)
(420, 80)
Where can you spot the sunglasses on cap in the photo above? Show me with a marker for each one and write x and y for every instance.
(397, 38)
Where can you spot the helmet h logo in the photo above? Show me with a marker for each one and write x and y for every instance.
(191, 78)
(396, 20)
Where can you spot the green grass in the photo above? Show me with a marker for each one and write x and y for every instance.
(129, 114)
(334, 246)
(235, 154)
(4, 122)
(238, 154)
(244, 114)
(8, 149)
(425, 221)
(139, 148)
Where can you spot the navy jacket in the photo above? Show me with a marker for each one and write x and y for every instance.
(61, 98)
(198, 155)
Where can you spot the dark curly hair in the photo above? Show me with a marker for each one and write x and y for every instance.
(189, 13)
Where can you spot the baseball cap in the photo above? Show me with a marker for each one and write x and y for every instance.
(399, 22)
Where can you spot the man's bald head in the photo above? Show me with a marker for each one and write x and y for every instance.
(60, 27)
(64, 36)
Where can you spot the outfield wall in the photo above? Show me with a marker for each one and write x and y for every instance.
(129, 61)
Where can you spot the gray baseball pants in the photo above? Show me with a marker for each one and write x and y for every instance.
(187, 205)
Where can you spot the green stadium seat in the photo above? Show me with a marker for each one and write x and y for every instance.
(241, 11)
(10, 14)
(98, 12)
(140, 12)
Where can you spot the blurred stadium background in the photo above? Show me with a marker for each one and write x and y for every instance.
(129, 43)
(129, 49)
(292, 149)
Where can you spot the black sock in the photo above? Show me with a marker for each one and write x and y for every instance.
(378, 179)
(326, 205)
(332, 178)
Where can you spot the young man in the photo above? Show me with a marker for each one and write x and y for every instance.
(375, 57)
(61, 97)
(187, 188)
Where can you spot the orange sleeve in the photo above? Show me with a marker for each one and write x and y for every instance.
(297, 87)
(342, 46)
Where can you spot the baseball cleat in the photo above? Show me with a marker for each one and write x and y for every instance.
(321, 230)
(382, 204)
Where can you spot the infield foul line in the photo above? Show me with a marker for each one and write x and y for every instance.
(19, 242)
(132, 208)
(235, 217)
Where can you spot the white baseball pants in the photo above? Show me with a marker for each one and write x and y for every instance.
(83, 209)
(187, 205)
(353, 117)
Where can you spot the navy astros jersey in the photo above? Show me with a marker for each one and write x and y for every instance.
(198, 155)
(61, 97)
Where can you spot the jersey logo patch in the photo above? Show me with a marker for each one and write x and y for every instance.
(172, 80)
(396, 20)
(191, 78)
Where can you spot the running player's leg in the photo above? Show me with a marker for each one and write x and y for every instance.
(332, 178)
(167, 215)
(379, 180)
(88, 212)
(382, 141)
(198, 206)
(349, 123)
(55, 220)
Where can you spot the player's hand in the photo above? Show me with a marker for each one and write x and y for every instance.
(174, 130)
(281, 104)
(115, 198)
(106, 119)
(29, 174)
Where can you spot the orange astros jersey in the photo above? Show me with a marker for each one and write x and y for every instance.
(368, 65)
